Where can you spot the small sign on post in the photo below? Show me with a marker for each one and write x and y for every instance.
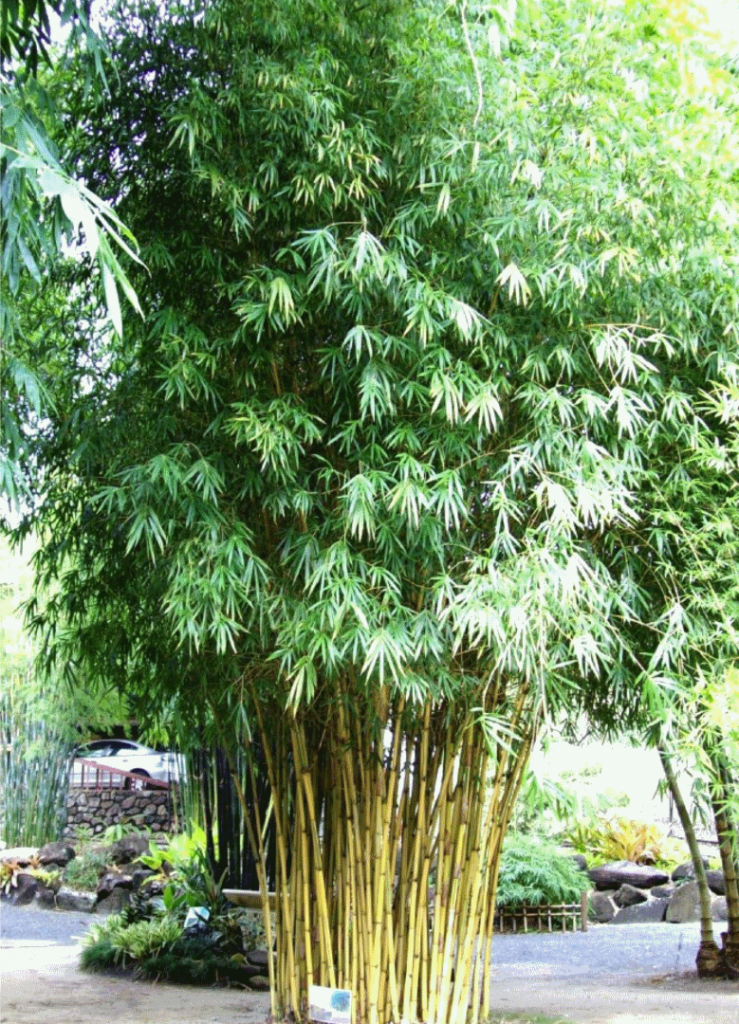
(330, 1005)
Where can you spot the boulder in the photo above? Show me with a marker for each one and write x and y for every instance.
(580, 861)
(684, 905)
(258, 958)
(128, 849)
(140, 875)
(153, 888)
(72, 899)
(601, 907)
(114, 903)
(24, 890)
(716, 882)
(111, 881)
(642, 913)
(628, 896)
(686, 871)
(259, 983)
(719, 909)
(662, 892)
(58, 854)
(625, 872)
(46, 897)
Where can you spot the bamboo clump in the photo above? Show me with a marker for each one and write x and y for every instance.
(389, 827)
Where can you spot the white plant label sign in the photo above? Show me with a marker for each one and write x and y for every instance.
(330, 1005)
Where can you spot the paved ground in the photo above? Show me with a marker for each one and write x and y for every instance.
(632, 951)
(609, 975)
(641, 950)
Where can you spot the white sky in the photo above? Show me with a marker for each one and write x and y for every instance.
(723, 18)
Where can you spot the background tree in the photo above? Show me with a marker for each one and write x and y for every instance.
(41, 720)
(432, 301)
(693, 718)
(46, 213)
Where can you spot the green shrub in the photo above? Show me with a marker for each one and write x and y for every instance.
(116, 943)
(148, 936)
(120, 830)
(158, 948)
(194, 961)
(84, 870)
(533, 873)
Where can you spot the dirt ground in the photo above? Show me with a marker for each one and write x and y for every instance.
(40, 984)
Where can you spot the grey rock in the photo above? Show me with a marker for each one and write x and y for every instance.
(258, 958)
(602, 909)
(624, 872)
(24, 890)
(111, 881)
(716, 882)
(719, 909)
(684, 905)
(259, 983)
(71, 899)
(113, 903)
(580, 861)
(642, 913)
(56, 853)
(686, 870)
(46, 897)
(140, 876)
(663, 892)
(129, 848)
(151, 889)
(629, 896)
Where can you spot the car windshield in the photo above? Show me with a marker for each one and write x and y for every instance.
(105, 749)
(94, 750)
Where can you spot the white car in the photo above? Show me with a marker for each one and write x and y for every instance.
(126, 756)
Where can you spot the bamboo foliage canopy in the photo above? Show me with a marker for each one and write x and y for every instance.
(404, 449)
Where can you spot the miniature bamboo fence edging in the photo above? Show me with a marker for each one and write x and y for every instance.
(541, 918)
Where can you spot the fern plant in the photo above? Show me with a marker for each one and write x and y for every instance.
(533, 873)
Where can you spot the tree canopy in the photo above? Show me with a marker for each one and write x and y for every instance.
(400, 359)
(435, 302)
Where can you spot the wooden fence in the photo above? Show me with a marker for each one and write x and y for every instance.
(544, 918)
(91, 775)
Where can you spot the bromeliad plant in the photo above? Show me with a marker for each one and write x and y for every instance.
(614, 838)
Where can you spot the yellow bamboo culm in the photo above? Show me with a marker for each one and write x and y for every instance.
(389, 820)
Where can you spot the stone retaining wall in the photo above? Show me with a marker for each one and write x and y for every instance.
(97, 809)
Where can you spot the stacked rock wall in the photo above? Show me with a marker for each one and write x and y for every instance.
(97, 809)
(627, 893)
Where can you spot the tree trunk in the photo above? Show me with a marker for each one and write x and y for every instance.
(709, 960)
(727, 836)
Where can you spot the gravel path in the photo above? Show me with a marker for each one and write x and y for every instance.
(33, 924)
(625, 974)
(636, 950)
